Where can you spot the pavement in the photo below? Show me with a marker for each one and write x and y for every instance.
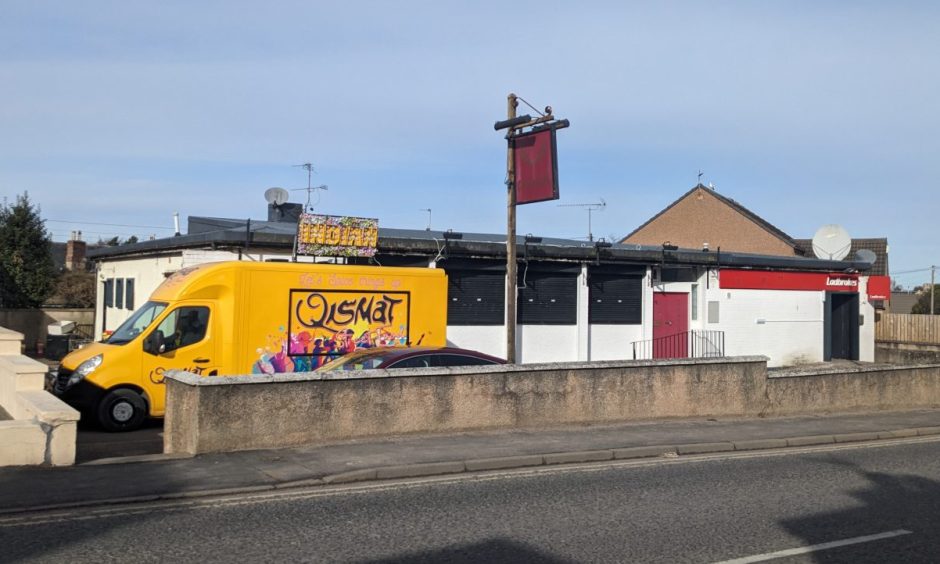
(160, 477)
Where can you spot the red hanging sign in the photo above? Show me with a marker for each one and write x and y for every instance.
(535, 159)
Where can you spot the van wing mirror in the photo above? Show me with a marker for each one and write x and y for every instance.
(155, 343)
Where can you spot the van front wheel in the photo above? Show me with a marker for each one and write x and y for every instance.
(122, 410)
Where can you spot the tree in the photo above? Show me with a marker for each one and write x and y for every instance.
(116, 240)
(74, 289)
(923, 300)
(27, 273)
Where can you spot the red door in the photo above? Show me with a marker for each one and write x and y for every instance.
(670, 325)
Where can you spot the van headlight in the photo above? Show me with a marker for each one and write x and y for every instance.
(84, 369)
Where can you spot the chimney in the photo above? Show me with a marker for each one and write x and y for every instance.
(75, 252)
(285, 213)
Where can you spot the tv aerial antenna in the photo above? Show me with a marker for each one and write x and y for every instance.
(590, 209)
(429, 217)
(310, 187)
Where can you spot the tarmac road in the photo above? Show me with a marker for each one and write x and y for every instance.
(93, 443)
(871, 502)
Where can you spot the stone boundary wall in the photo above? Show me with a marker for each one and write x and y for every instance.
(207, 414)
(246, 412)
(907, 353)
(860, 388)
(34, 323)
(42, 429)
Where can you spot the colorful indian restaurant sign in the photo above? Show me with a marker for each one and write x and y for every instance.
(337, 236)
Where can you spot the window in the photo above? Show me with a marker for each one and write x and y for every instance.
(713, 312)
(615, 299)
(109, 292)
(694, 301)
(457, 360)
(548, 297)
(413, 362)
(476, 292)
(183, 327)
(136, 323)
(129, 293)
(677, 274)
(119, 293)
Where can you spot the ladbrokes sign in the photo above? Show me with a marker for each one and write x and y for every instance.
(778, 280)
(841, 283)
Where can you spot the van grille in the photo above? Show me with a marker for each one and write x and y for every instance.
(62, 379)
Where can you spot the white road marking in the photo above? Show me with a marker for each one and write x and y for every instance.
(815, 547)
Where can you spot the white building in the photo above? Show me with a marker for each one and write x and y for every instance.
(576, 300)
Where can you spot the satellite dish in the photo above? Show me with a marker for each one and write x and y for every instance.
(867, 256)
(831, 242)
(276, 196)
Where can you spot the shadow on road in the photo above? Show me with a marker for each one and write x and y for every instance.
(93, 443)
(888, 503)
(494, 550)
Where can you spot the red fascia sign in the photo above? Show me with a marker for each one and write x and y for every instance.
(773, 280)
(535, 160)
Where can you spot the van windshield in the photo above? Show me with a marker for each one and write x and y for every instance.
(136, 323)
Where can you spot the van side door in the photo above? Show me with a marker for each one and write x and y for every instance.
(183, 340)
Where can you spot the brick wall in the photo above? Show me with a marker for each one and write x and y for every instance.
(703, 218)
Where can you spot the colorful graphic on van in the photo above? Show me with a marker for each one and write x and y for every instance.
(326, 324)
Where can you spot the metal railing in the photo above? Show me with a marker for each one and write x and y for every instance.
(84, 331)
(83, 334)
(687, 344)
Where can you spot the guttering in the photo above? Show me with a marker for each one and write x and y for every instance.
(470, 246)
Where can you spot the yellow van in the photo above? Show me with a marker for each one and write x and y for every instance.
(250, 318)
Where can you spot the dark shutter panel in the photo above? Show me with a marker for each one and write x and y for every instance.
(547, 298)
(615, 299)
(475, 297)
(109, 292)
(119, 292)
(129, 293)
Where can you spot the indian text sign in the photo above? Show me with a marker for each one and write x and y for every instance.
(337, 236)
(331, 322)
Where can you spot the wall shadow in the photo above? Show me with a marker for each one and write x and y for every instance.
(494, 550)
(889, 502)
(93, 443)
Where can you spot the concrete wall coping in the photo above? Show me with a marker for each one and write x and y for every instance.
(17, 424)
(798, 372)
(47, 408)
(197, 380)
(10, 335)
(19, 364)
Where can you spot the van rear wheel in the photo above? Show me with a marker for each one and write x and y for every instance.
(122, 410)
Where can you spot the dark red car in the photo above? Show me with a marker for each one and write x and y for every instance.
(412, 357)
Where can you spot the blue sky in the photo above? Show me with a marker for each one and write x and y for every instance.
(808, 113)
